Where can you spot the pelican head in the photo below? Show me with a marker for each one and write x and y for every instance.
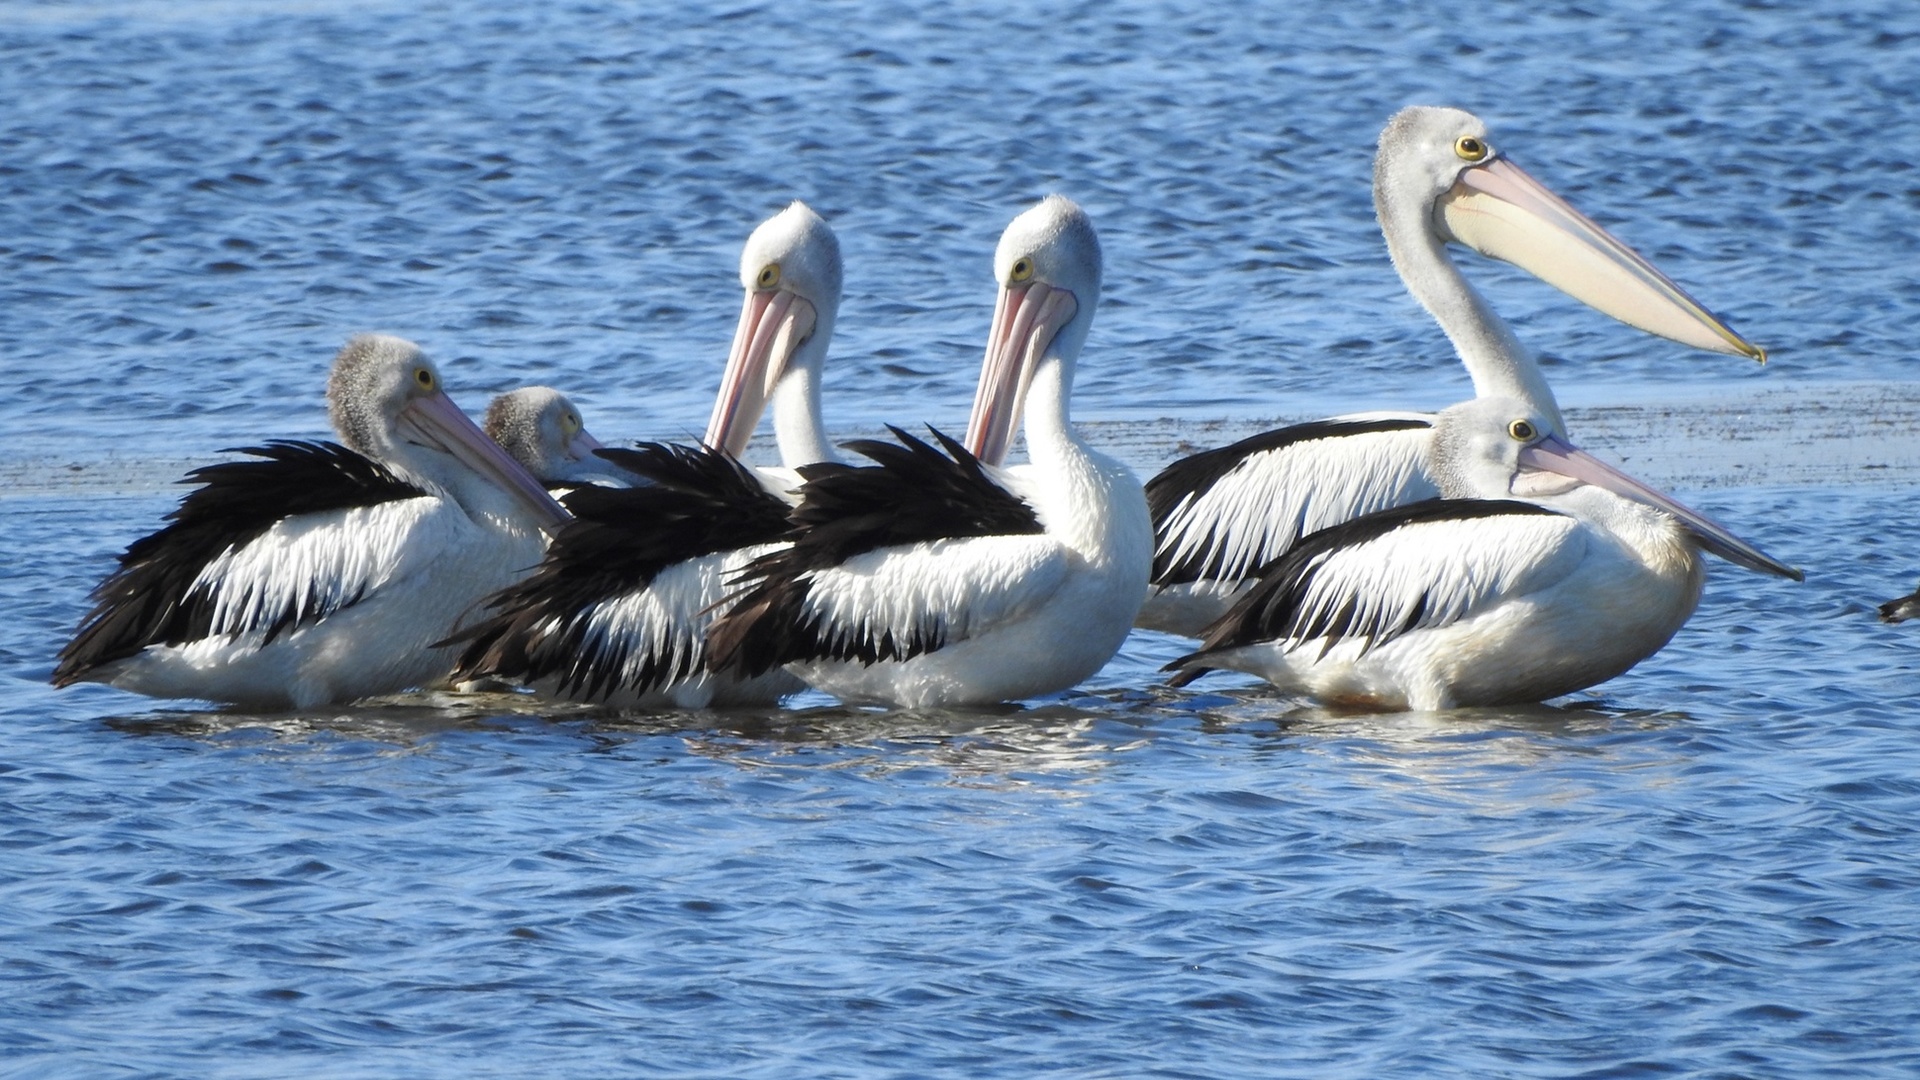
(1438, 172)
(1048, 266)
(790, 269)
(1496, 448)
(386, 401)
(540, 428)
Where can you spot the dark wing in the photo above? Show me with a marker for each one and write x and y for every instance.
(586, 616)
(1220, 514)
(153, 598)
(1384, 575)
(1901, 610)
(914, 503)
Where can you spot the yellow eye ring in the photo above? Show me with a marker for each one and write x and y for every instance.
(570, 423)
(1522, 431)
(1468, 148)
(769, 276)
(1022, 269)
(424, 377)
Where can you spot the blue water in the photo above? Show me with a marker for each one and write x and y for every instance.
(1706, 867)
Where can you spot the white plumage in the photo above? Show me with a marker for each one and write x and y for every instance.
(322, 573)
(1541, 572)
(934, 581)
(376, 627)
(1437, 179)
(1269, 499)
(618, 612)
(655, 637)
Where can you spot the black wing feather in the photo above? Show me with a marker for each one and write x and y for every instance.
(913, 493)
(1195, 475)
(1276, 606)
(700, 501)
(1902, 609)
(149, 599)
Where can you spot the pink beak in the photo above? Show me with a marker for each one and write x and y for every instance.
(1555, 455)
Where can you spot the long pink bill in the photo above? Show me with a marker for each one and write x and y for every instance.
(1025, 320)
(1499, 210)
(1555, 455)
(439, 423)
(773, 323)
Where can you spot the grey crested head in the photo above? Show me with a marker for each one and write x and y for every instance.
(538, 427)
(373, 377)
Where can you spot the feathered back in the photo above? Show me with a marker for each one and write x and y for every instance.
(701, 501)
(1282, 605)
(913, 493)
(151, 598)
(1189, 479)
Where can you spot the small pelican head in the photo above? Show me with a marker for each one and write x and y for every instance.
(1478, 446)
(1048, 265)
(1493, 448)
(540, 428)
(790, 269)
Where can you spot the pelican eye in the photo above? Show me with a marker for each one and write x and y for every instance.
(424, 377)
(769, 276)
(570, 423)
(1022, 269)
(1522, 431)
(1468, 148)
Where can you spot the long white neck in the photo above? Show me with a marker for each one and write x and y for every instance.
(1051, 438)
(1085, 499)
(796, 418)
(1498, 363)
(1073, 488)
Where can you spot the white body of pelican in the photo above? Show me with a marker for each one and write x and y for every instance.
(618, 612)
(323, 573)
(935, 580)
(1221, 515)
(1542, 571)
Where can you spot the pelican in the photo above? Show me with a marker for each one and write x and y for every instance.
(320, 572)
(1901, 609)
(938, 578)
(618, 612)
(540, 428)
(1221, 514)
(1540, 571)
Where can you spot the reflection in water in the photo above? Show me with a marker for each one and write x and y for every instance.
(981, 744)
(403, 720)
